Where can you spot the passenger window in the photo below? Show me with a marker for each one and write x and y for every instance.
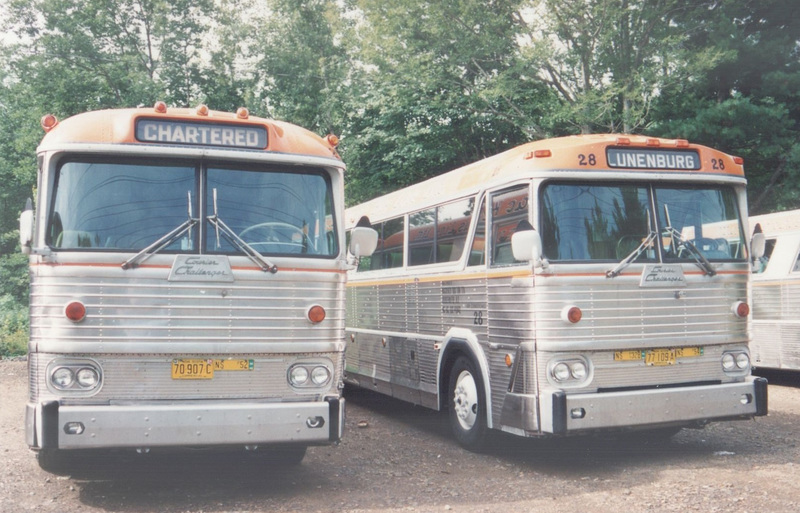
(508, 209)
(389, 252)
(421, 237)
(452, 224)
(796, 267)
(477, 253)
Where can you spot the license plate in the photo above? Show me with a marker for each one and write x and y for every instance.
(659, 357)
(628, 356)
(195, 368)
(688, 352)
(233, 365)
(192, 369)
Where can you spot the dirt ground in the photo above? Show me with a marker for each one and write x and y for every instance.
(396, 457)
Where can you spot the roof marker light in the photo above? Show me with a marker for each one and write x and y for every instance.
(202, 110)
(160, 107)
(332, 140)
(540, 154)
(49, 122)
(242, 113)
(681, 143)
(738, 160)
(653, 142)
(623, 141)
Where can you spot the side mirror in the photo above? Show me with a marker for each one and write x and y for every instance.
(26, 222)
(363, 241)
(526, 245)
(757, 246)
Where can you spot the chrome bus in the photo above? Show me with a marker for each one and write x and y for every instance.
(567, 286)
(776, 292)
(187, 284)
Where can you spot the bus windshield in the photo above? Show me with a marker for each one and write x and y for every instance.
(589, 222)
(127, 206)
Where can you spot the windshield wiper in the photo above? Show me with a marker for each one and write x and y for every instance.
(164, 241)
(698, 256)
(238, 242)
(702, 261)
(636, 253)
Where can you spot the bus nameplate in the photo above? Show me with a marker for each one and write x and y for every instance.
(201, 268)
(662, 275)
(641, 158)
(201, 134)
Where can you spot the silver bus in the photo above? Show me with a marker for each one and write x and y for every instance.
(566, 286)
(187, 284)
(776, 292)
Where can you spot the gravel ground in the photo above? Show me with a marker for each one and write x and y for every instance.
(396, 457)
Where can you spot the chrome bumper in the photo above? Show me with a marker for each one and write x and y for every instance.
(51, 425)
(639, 408)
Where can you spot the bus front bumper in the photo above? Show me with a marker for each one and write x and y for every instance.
(51, 425)
(640, 408)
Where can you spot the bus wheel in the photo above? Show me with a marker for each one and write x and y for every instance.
(467, 408)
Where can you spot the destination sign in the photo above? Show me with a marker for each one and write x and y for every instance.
(201, 134)
(641, 158)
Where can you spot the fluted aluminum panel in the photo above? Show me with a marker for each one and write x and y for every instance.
(618, 314)
(127, 311)
(148, 377)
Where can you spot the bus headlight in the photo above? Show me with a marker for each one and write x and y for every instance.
(298, 376)
(310, 374)
(569, 371)
(74, 376)
(735, 361)
(62, 378)
(320, 375)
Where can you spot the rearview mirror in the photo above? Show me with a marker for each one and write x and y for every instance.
(757, 246)
(26, 223)
(526, 245)
(363, 241)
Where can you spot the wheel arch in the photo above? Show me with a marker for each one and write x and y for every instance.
(462, 342)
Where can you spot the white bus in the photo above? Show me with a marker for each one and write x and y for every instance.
(776, 292)
(562, 287)
(187, 284)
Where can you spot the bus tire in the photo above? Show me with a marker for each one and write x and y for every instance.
(467, 410)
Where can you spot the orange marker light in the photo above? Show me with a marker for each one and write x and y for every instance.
(540, 154)
(571, 314)
(681, 143)
(653, 142)
(202, 110)
(623, 141)
(242, 113)
(49, 122)
(75, 311)
(160, 107)
(741, 309)
(738, 160)
(316, 314)
(333, 140)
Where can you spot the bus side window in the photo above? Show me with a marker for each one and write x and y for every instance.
(796, 268)
(508, 209)
(477, 254)
(421, 237)
(389, 253)
(761, 264)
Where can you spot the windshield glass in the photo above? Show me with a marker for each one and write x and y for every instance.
(707, 219)
(594, 222)
(589, 222)
(102, 205)
(128, 206)
(274, 213)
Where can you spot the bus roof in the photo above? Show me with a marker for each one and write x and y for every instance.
(777, 222)
(548, 154)
(124, 126)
